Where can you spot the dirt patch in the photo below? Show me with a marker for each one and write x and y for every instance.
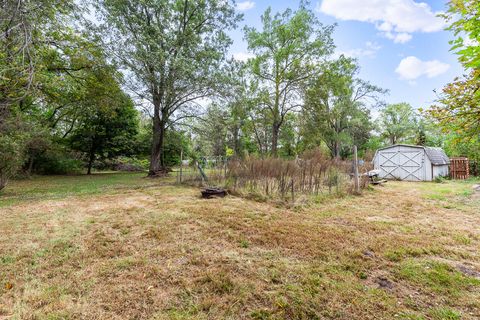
(384, 283)
(468, 271)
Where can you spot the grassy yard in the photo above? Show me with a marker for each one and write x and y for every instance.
(119, 246)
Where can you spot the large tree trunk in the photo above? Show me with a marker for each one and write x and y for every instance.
(335, 149)
(236, 141)
(156, 156)
(275, 132)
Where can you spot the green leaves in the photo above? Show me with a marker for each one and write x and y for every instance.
(457, 111)
(464, 18)
(397, 123)
(173, 51)
(13, 136)
(335, 111)
(288, 51)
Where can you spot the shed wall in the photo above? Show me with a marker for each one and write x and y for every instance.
(404, 163)
(440, 171)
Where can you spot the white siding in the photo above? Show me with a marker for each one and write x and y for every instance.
(440, 171)
(404, 163)
(428, 169)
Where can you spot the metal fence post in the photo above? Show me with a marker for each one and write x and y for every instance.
(181, 164)
(355, 170)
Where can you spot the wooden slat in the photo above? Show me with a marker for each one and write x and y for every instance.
(459, 168)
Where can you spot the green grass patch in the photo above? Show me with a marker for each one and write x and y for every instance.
(447, 190)
(410, 316)
(6, 259)
(401, 253)
(244, 243)
(435, 276)
(462, 239)
(445, 314)
(54, 187)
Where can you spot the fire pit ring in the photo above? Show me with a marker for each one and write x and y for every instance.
(209, 193)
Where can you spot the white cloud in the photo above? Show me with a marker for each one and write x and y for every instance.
(245, 5)
(395, 19)
(398, 37)
(369, 51)
(411, 68)
(242, 56)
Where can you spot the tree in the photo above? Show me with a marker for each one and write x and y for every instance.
(11, 151)
(458, 106)
(237, 97)
(397, 122)
(27, 27)
(71, 70)
(336, 107)
(108, 124)
(457, 109)
(464, 19)
(17, 22)
(287, 50)
(428, 133)
(223, 125)
(288, 137)
(173, 50)
(212, 131)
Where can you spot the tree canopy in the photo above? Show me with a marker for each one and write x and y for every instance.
(173, 49)
(288, 51)
(147, 80)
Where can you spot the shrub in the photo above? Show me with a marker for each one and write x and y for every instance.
(59, 161)
(314, 173)
(11, 155)
(130, 164)
(439, 179)
(122, 164)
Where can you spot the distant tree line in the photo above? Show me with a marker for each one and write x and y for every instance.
(148, 79)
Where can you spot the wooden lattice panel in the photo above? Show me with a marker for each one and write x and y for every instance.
(459, 168)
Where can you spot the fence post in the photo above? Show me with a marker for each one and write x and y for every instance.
(181, 164)
(355, 170)
(293, 192)
(225, 161)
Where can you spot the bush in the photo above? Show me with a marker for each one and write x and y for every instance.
(58, 161)
(122, 164)
(439, 179)
(11, 155)
(131, 164)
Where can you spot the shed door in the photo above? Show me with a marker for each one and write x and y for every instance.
(406, 164)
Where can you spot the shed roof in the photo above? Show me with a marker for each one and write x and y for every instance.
(436, 156)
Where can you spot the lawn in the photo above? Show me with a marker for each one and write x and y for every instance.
(119, 246)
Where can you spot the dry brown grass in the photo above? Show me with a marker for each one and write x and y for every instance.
(290, 182)
(406, 251)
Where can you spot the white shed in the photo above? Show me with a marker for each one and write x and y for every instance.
(412, 163)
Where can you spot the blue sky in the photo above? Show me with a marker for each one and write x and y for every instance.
(401, 45)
